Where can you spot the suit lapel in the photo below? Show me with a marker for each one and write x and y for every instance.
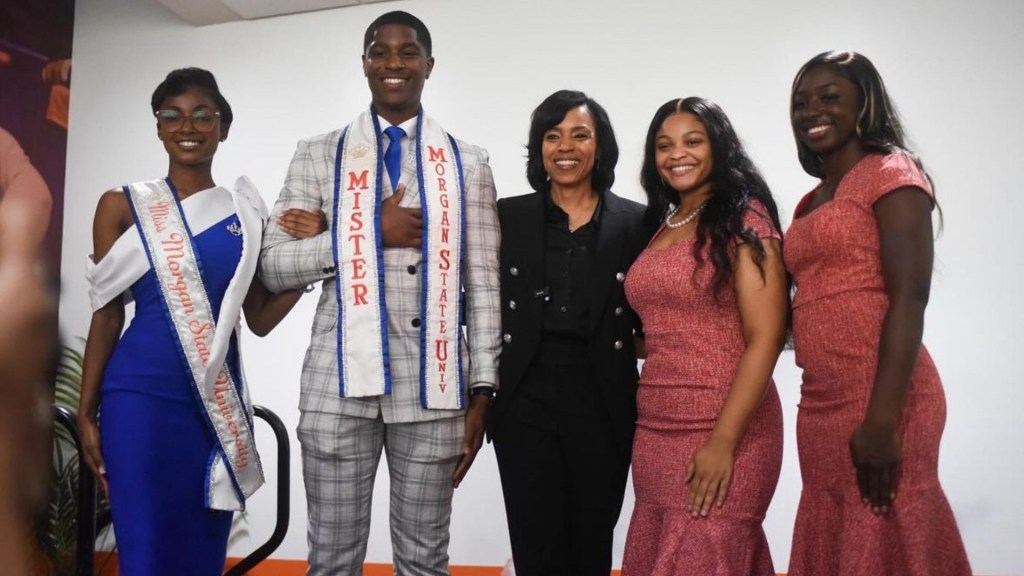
(531, 238)
(607, 263)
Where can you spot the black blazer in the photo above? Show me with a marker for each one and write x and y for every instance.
(622, 235)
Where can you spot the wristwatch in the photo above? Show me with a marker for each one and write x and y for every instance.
(483, 391)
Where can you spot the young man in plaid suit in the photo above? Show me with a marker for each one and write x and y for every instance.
(379, 374)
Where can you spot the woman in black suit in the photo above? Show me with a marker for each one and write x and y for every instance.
(562, 421)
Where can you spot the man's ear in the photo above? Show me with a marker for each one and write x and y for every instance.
(430, 66)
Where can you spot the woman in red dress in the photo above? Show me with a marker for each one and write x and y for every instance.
(712, 294)
(872, 407)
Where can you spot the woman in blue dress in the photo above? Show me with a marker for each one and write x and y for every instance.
(176, 453)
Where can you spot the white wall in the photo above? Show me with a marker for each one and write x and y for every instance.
(952, 68)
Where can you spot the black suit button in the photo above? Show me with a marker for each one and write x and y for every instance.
(415, 322)
(328, 270)
(618, 345)
(411, 269)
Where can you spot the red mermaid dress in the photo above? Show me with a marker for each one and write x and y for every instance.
(694, 344)
(834, 256)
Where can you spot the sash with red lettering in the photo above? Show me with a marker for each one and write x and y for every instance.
(234, 471)
(363, 362)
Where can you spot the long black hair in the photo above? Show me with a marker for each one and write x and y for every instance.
(878, 124)
(736, 184)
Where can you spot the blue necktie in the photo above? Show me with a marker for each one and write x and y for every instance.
(393, 155)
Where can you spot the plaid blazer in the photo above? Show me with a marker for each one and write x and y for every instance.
(288, 263)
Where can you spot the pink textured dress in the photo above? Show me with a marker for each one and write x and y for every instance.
(694, 345)
(833, 254)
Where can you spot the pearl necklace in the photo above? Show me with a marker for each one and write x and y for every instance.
(686, 220)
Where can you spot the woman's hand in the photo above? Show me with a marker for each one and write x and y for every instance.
(709, 475)
(876, 453)
(761, 296)
(302, 223)
(474, 436)
(90, 436)
(113, 217)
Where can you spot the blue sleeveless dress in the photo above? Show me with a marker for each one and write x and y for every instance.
(156, 441)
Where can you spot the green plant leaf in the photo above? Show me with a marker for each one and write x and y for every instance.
(68, 388)
(56, 526)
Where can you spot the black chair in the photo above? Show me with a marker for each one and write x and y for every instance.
(87, 496)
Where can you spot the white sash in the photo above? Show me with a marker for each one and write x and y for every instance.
(126, 261)
(363, 362)
(235, 470)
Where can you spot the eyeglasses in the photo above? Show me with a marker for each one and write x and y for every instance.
(172, 120)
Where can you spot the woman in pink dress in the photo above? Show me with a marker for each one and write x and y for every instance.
(712, 294)
(872, 407)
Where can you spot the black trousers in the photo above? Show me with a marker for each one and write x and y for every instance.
(562, 474)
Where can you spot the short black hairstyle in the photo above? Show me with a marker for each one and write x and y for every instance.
(549, 114)
(404, 19)
(180, 80)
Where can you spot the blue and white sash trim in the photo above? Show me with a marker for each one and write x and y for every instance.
(363, 360)
(443, 204)
(234, 471)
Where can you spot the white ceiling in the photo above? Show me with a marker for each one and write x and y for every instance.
(203, 12)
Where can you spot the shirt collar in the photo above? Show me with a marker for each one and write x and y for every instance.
(551, 209)
(409, 126)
